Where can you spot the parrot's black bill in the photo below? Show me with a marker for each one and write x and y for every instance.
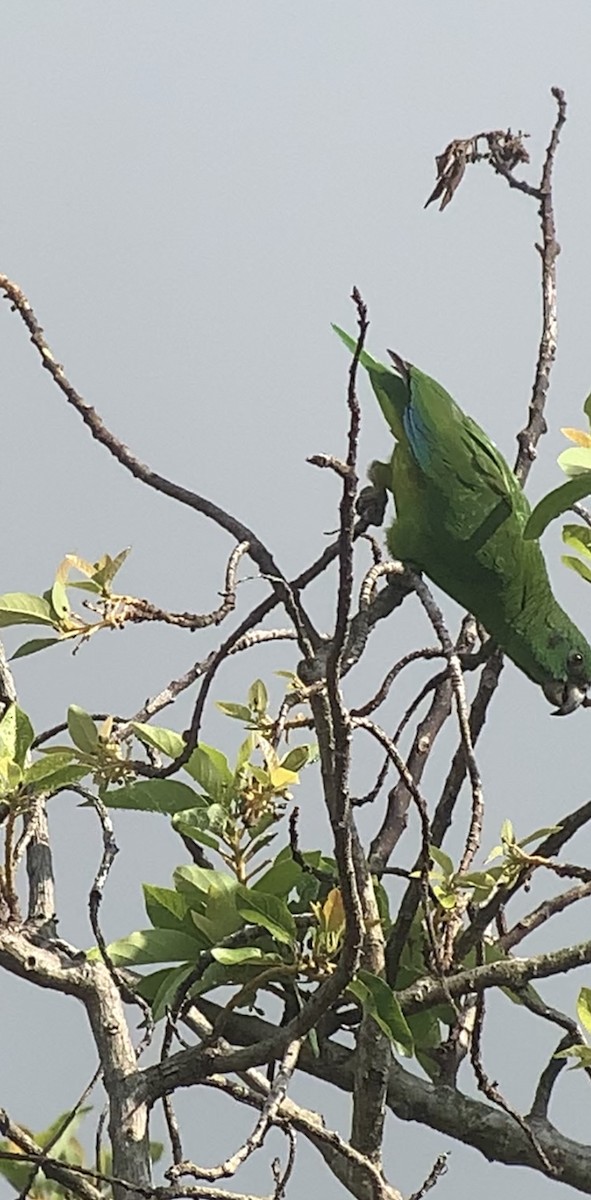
(567, 697)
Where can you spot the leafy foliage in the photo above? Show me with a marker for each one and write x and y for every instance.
(576, 464)
(60, 1139)
(53, 608)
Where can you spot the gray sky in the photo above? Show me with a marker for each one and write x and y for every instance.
(189, 192)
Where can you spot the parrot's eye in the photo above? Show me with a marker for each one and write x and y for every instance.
(575, 665)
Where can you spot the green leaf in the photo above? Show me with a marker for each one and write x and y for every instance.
(20, 608)
(167, 796)
(555, 503)
(169, 987)
(108, 567)
(240, 954)
(51, 773)
(258, 699)
(153, 946)
(59, 599)
(244, 752)
(483, 883)
(166, 908)
(258, 843)
(166, 740)
(68, 753)
(575, 564)
(48, 764)
(265, 822)
(160, 988)
(197, 882)
(578, 537)
(538, 834)
(446, 899)
(189, 824)
(443, 861)
(11, 775)
(17, 1173)
(383, 904)
(217, 819)
(291, 676)
(425, 1029)
(269, 911)
(575, 461)
(582, 1053)
(220, 908)
(86, 585)
(282, 876)
(65, 777)
(239, 712)
(16, 734)
(380, 1001)
(63, 1143)
(584, 1007)
(82, 729)
(219, 921)
(296, 758)
(209, 767)
(312, 1037)
(33, 647)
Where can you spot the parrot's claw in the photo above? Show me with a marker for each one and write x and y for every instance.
(371, 504)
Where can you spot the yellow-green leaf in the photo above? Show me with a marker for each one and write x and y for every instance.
(282, 779)
(258, 699)
(20, 608)
(575, 462)
(577, 565)
(82, 729)
(577, 435)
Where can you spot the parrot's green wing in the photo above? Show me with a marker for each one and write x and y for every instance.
(445, 443)
(444, 439)
(460, 516)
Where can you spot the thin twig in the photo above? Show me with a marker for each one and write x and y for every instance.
(438, 1169)
(428, 652)
(347, 522)
(492, 1092)
(110, 850)
(268, 1117)
(549, 250)
(130, 608)
(547, 909)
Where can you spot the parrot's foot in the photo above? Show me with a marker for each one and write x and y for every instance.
(372, 500)
(471, 659)
(380, 474)
(371, 505)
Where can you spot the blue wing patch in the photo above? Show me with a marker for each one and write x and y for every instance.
(417, 432)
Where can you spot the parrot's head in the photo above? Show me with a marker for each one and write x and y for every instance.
(549, 648)
(568, 668)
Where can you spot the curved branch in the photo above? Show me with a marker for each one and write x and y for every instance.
(512, 973)
(257, 549)
(440, 1107)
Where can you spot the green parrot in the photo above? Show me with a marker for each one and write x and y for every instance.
(460, 515)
